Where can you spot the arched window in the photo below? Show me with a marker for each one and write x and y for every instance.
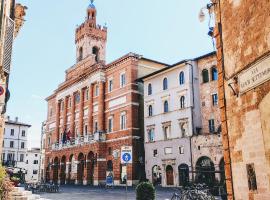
(181, 78)
(214, 73)
(165, 84)
(150, 111)
(80, 54)
(166, 106)
(182, 102)
(205, 76)
(149, 89)
(95, 51)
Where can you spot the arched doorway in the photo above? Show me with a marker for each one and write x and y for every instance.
(63, 170)
(183, 172)
(205, 171)
(90, 168)
(156, 175)
(48, 168)
(80, 169)
(169, 175)
(55, 170)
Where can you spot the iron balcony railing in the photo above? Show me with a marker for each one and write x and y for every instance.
(80, 141)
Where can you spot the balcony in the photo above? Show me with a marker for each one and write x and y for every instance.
(80, 141)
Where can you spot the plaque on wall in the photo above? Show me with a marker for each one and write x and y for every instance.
(255, 75)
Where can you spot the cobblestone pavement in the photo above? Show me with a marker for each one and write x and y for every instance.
(96, 193)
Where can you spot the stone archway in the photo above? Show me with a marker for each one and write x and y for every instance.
(55, 170)
(90, 168)
(264, 108)
(80, 169)
(205, 171)
(156, 175)
(169, 175)
(63, 170)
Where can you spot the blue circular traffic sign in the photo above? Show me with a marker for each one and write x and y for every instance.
(126, 157)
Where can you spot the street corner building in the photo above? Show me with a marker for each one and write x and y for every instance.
(243, 51)
(95, 112)
(11, 20)
(182, 124)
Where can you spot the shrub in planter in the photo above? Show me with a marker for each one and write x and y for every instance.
(145, 191)
(15, 180)
(6, 185)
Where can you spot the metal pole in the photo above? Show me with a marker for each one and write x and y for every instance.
(126, 180)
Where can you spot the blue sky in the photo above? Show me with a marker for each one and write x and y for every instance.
(167, 31)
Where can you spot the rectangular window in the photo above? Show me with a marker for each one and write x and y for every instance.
(11, 144)
(181, 150)
(123, 121)
(97, 90)
(62, 105)
(110, 87)
(86, 95)
(23, 133)
(155, 153)
(151, 135)
(122, 80)
(110, 125)
(85, 130)
(69, 102)
(35, 171)
(211, 124)
(168, 150)
(12, 132)
(36, 155)
(166, 130)
(35, 162)
(96, 126)
(21, 157)
(22, 145)
(215, 99)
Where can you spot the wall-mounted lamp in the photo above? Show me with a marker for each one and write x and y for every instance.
(234, 86)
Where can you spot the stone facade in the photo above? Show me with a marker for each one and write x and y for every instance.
(243, 40)
(95, 112)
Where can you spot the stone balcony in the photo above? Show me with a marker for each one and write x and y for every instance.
(80, 141)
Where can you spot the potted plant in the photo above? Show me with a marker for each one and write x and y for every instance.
(15, 180)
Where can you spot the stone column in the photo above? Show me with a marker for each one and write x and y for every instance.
(85, 173)
(81, 112)
(72, 120)
(90, 109)
(101, 106)
(65, 113)
(57, 120)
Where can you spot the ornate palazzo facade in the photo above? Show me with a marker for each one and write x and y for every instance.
(96, 111)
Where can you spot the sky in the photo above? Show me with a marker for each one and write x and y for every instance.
(167, 31)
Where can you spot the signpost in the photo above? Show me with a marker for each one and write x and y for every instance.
(126, 158)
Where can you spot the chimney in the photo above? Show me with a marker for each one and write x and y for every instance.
(16, 119)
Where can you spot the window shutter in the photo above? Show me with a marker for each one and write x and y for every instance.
(8, 44)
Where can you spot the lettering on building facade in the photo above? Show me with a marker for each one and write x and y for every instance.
(255, 75)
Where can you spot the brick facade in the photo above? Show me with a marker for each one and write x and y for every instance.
(242, 37)
(92, 94)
